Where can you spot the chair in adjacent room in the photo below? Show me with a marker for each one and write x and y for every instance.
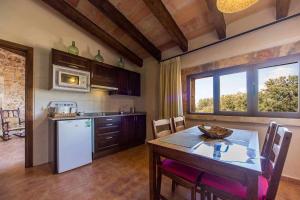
(11, 122)
(223, 188)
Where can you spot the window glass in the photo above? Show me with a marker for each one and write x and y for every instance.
(278, 88)
(233, 92)
(204, 95)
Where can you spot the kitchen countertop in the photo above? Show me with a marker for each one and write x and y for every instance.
(95, 116)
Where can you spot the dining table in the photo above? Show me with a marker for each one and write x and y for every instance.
(235, 157)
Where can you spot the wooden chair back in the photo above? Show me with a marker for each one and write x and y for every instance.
(267, 146)
(179, 123)
(277, 159)
(269, 138)
(161, 128)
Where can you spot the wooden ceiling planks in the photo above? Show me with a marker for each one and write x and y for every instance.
(78, 18)
(218, 18)
(161, 13)
(118, 18)
(190, 19)
(282, 8)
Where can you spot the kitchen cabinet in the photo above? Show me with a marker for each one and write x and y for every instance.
(115, 133)
(106, 135)
(122, 81)
(128, 131)
(134, 84)
(103, 75)
(133, 130)
(68, 60)
(140, 129)
(129, 83)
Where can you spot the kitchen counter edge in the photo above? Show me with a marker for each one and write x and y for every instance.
(92, 117)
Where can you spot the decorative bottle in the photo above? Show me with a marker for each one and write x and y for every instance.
(72, 49)
(121, 63)
(99, 57)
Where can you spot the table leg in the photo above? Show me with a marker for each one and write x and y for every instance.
(252, 187)
(152, 174)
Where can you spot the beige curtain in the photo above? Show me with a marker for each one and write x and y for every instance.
(170, 88)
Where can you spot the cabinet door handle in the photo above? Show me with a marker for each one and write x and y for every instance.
(109, 124)
(109, 119)
(108, 138)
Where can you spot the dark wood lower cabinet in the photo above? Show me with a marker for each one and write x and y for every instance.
(127, 133)
(140, 129)
(116, 133)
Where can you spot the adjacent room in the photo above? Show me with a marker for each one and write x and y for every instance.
(12, 109)
(149, 99)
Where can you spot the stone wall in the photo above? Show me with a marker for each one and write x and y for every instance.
(12, 81)
(249, 58)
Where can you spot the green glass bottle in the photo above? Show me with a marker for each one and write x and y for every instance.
(121, 63)
(72, 49)
(99, 57)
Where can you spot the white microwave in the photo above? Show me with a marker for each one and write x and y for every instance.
(65, 78)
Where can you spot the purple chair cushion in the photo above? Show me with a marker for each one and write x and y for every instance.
(181, 170)
(233, 187)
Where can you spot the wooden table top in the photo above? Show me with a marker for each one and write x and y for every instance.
(241, 149)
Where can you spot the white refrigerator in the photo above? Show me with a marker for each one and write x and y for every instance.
(74, 144)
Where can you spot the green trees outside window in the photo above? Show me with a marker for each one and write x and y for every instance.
(275, 90)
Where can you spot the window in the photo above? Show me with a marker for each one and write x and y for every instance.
(267, 89)
(278, 88)
(204, 97)
(233, 92)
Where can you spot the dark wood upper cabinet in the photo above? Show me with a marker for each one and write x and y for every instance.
(134, 84)
(122, 80)
(103, 74)
(68, 60)
(127, 82)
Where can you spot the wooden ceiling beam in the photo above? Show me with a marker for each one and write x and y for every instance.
(218, 18)
(75, 16)
(165, 18)
(118, 18)
(282, 8)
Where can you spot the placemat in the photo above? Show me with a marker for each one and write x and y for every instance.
(187, 138)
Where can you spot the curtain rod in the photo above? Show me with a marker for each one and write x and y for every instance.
(234, 36)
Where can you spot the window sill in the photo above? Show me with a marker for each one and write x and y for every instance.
(244, 119)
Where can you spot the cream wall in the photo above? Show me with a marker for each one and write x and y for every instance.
(276, 35)
(150, 91)
(282, 33)
(32, 23)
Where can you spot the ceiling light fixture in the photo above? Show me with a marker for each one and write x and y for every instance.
(232, 6)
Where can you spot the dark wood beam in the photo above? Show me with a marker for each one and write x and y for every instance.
(165, 18)
(75, 16)
(218, 18)
(118, 18)
(282, 8)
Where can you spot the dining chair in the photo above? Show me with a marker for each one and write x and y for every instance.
(179, 173)
(161, 128)
(267, 146)
(223, 188)
(179, 123)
